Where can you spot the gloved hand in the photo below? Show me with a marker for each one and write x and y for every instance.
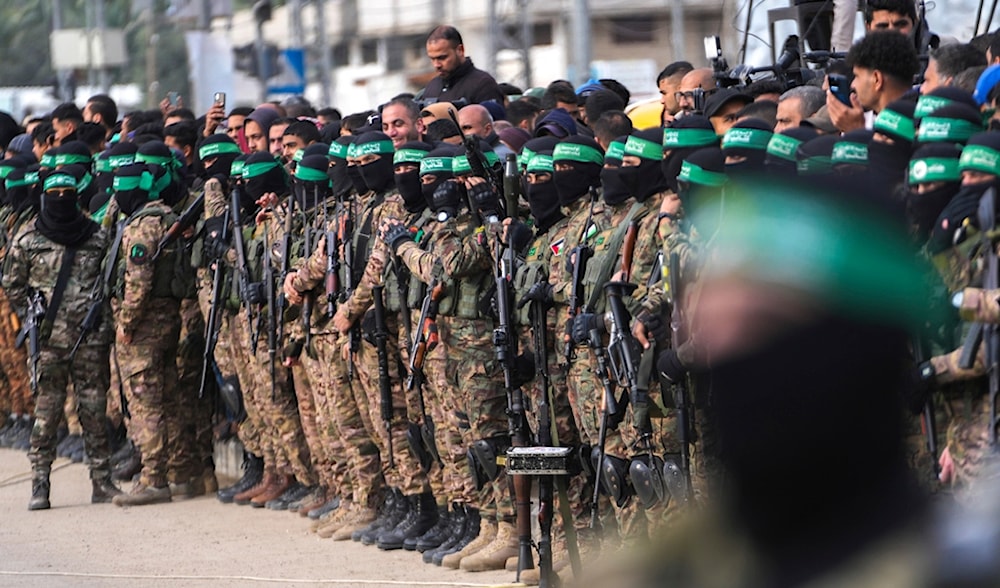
(293, 350)
(524, 369)
(519, 235)
(254, 293)
(395, 235)
(670, 366)
(484, 199)
(539, 292)
(214, 246)
(583, 324)
(368, 326)
(656, 327)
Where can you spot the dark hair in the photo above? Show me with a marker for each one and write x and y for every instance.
(103, 105)
(92, 134)
(905, 7)
(761, 87)
(296, 106)
(611, 124)
(67, 111)
(411, 107)
(304, 130)
(43, 132)
(440, 129)
(558, 91)
(446, 33)
(184, 113)
(765, 110)
(240, 111)
(967, 79)
(600, 102)
(521, 110)
(358, 120)
(185, 132)
(509, 89)
(888, 52)
(138, 118)
(617, 87)
(675, 68)
(330, 132)
(330, 112)
(982, 42)
(954, 59)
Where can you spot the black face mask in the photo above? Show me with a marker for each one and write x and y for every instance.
(447, 199)
(340, 179)
(308, 194)
(273, 181)
(357, 182)
(408, 184)
(702, 201)
(427, 190)
(963, 205)
(671, 166)
(644, 180)
(615, 190)
(130, 201)
(994, 125)
(544, 202)
(924, 209)
(888, 160)
(378, 175)
(751, 166)
(575, 183)
(61, 221)
(221, 166)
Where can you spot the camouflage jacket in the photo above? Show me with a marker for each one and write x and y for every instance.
(33, 262)
(139, 240)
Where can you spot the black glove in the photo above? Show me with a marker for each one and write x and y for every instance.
(485, 200)
(293, 350)
(524, 369)
(254, 293)
(396, 235)
(539, 292)
(923, 379)
(214, 246)
(519, 235)
(656, 327)
(368, 326)
(583, 324)
(670, 366)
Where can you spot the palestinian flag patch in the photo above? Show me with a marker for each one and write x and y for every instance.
(557, 247)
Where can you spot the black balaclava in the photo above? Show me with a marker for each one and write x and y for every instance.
(533, 146)
(815, 157)
(981, 154)
(86, 188)
(134, 187)
(543, 197)
(7, 166)
(74, 152)
(341, 176)
(614, 191)
(936, 162)
(263, 174)
(782, 147)
(408, 183)
(438, 162)
(60, 218)
(586, 159)
(312, 184)
(647, 178)
(748, 138)
(850, 153)
(890, 160)
(701, 180)
(24, 189)
(221, 151)
(682, 138)
(377, 175)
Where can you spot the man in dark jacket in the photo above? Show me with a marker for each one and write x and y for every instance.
(457, 77)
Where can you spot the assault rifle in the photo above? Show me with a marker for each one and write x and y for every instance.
(273, 310)
(98, 296)
(250, 292)
(423, 343)
(213, 319)
(384, 384)
(332, 281)
(187, 219)
(31, 331)
(679, 480)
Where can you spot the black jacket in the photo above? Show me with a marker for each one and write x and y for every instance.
(475, 85)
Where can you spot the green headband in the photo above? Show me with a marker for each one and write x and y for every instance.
(740, 138)
(541, 163)
(59, 181)
(339, 151)
(236, 170)
(934, 169)
(783, 146)
(117, 161)
(253, 170)
(934, 129)
(680, 138)
(643, 148)
(460, 165)
(980, 158)
(85, 182)
(167, 161)
(299, 154)
(525, 157)
(928, 104)
(29, 179)
(310, 174)
(891, 122)
(812, 166)
(216, 149)
(408, 156)
(820, 246)
(697, 175)
(436, 165)
(377, 147)
(143, 181)
(48, 160)
(71, 158)
(5, 171)
(616, 150)
(578, 153)
(492, 158)
(849, 152)
(102, 165)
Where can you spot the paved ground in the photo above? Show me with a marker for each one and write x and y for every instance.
(197, 543)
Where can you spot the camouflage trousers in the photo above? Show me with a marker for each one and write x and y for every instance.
(16, 391)
(148, 373)
(969, 445)
(364, 465)
(196, 413)
(89, 376)
(325, 446)
(412, 398)
(406, 474)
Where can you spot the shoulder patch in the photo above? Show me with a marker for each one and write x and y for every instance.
(138, 254)
(557, 247)
(532, 251)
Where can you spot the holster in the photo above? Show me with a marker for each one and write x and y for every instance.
(483, 455)
(232, 398)
(646, 474)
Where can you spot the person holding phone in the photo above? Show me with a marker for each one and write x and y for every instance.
(883, 64)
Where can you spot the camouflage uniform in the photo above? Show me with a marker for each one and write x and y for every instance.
(33, 262)
(13, 359)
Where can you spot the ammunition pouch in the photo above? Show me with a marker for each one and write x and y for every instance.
(368, 327)
(483, 456)
(673, 478)
(232, 399)
(613, 476)
(254, 293)
(414, 437)
(585, 464)
(646, 474)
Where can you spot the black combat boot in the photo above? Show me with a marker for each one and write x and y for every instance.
(461, 522)
(434, 536)
(295, 492)
(127, 469)
(104, 490)
(253, 472)
(422, 517)
(471, 532)
(39, 492)
(386, 521)
(122, 453)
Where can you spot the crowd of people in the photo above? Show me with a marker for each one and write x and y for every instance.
(393, 308)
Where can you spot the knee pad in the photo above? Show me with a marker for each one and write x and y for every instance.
(646, 474)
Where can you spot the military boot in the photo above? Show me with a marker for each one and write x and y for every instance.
(452, 535)
(487, 533)
(332, 522)
(253, 471)
(361, 518)
(494, 556)
(141, 495)
(279, 484)
(318, 498)
(127, 469)
(423, 516)
(399, 513)
(472, 527)
(104, 490)
(387, 510)
(434, 536)
(22, 441)
(326, 508)
(266, 481)
(39, 492)
(294, 493)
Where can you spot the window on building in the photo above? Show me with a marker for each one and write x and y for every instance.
(369, 51)
(633, 30)
(341, 54)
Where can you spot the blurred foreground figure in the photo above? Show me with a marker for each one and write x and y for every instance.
(803, 319)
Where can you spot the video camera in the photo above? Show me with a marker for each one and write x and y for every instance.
(791, 67)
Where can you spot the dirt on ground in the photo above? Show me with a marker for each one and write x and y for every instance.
(199, 543)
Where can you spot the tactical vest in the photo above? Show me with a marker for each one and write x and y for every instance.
(414, 289)
(607, 245)
(535, 269)
(467, 298)
(173, 275)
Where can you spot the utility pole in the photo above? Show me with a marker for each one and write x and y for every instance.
(492, 37)
(323, 48)
(62, 75)
(103, 79)
(677, 29)
(152, 79)
(580, 29)
(527, 39)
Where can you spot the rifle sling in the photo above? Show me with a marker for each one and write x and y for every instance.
(62, 280)
(608, 263)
